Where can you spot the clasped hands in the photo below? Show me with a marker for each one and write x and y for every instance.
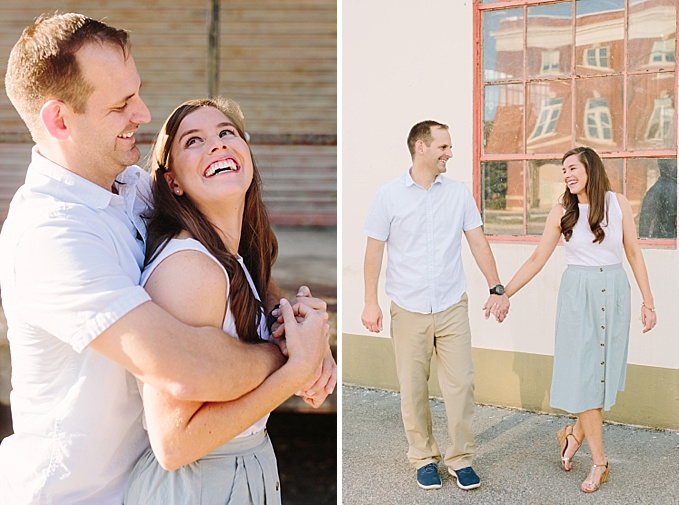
(498, 305)
(325, 380)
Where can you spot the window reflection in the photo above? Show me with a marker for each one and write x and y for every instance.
(598, 120)
(600, 114)
(502, 190)
(577, 73)
(651, 34)
(503, 34)
(599, 36)
(549, 116)
(651, 111)
(549, 40)
(658, 213)
(545, 187)
(503, 118)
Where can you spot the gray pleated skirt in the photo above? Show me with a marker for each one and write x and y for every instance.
(241, 472)
(592, 336)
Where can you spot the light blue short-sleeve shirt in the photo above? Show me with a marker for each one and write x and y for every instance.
(423, 231)
(71, 254)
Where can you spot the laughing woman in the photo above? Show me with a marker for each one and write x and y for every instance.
(593, 313)
(209, 256)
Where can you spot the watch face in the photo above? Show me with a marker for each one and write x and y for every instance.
(499, 289)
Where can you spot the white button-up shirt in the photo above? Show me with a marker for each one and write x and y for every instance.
(70, 261)
(423, 231)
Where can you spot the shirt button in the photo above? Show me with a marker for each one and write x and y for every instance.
(602, 345)
(603, 290)
(601, 270)
(603, 327)
(602, 362)
(603, 309)
(602, 381)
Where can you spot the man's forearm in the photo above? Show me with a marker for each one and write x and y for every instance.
(371, 269)
(187, 362)
(239, 368)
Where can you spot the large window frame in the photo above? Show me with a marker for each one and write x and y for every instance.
(612, 143)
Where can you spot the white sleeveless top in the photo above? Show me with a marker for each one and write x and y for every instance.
(580, 250)
(229, 325)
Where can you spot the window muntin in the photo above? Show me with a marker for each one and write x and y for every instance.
(571, 72)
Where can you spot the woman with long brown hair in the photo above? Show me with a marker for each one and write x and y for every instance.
(210, 250)
(593, 312)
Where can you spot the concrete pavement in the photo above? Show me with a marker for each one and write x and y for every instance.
(517, 459)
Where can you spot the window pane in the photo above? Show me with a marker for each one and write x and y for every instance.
(503, 45)
(545, 186)
(599, 113)
(502, 190)
(548, 120)
(549, 37)
(651, 111)
(614, 170)
(652, 35)
(599, 33)
(503, 119)
(652, 192)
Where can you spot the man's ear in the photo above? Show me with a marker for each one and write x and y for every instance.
(52, 115)
(172, 184)
(419, 146)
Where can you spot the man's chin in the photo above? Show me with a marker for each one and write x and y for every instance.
(132, 156)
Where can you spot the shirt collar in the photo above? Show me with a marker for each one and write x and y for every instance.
(71, 187)
(410, 182)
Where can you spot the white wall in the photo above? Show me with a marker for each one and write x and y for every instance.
(403, 63)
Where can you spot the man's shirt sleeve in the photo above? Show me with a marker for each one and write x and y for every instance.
(378, 221)
(70, 281)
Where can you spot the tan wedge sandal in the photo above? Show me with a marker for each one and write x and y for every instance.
(562, 435)
(588, 485)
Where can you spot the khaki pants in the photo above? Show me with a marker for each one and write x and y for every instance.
(415, 337)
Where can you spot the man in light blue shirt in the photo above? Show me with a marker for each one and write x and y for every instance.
(421, 217)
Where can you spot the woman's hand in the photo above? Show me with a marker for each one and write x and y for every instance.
(648, 318)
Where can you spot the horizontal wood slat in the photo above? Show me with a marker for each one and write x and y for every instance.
(278, 59)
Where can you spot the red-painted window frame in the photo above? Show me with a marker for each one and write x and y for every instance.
(479, 157)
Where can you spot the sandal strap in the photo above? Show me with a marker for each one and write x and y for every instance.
(579, 442)
(590, 477)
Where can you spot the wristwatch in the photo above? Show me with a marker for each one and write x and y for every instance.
(497, 290)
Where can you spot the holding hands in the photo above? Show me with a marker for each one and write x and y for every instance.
(498, 305)
(290, 316)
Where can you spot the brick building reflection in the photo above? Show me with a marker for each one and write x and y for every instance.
(619, 106)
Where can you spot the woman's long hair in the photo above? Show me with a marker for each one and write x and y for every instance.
(597, 186)
(171, 214)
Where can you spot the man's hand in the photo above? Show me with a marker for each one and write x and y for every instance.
(372, 317)
(325, 378)
(498, 305)
(307, 340)
(303, 297)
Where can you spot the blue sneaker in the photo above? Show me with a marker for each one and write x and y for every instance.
(428, 477)
(466, 478)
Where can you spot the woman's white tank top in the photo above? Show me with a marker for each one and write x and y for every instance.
(580, 250)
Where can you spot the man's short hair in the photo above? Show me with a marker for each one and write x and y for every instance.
(43, 66)
(422, 131)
